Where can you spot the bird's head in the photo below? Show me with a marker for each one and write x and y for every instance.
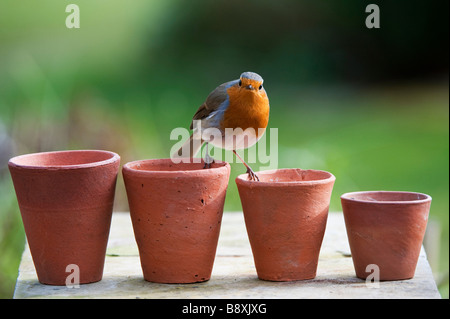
(251, 81)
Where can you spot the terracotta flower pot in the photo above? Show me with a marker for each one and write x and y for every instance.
(66, 200)
(285, 215)
(385, 229)
(176, 211)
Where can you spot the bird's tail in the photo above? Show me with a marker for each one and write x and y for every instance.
(190, 148)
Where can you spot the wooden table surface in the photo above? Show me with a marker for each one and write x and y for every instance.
(234, 275)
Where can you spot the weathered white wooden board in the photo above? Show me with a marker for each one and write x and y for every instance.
(234, 275)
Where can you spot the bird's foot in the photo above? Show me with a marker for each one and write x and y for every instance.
(251, 175)
(207, 165)
(208, 161)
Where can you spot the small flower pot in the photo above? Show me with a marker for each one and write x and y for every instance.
(385, 229)
(66, 200)
(285, 215)
(176, 211)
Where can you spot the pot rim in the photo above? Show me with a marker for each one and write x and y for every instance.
(243, 178)
(114, 157)
(127, 167)
(426, 197)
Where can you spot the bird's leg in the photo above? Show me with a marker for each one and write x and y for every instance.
(251, 174)
(208, 159)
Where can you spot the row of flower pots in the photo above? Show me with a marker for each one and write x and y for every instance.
(66, 201)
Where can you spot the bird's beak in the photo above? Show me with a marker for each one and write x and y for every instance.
(249, 87)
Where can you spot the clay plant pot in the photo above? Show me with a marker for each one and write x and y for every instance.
(385, 229)
(176, 211)
(285, 215)
(66, 200)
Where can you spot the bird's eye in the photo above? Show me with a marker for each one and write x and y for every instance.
(260, 87)
(240, 82)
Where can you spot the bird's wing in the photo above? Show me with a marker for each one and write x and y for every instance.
(213, 102)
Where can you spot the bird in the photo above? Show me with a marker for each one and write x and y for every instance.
(234, 116)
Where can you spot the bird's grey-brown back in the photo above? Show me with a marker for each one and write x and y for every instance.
(215, 101)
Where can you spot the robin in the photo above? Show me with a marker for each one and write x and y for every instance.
(234, 116)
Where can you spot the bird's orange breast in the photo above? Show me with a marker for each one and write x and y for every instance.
(247, 108)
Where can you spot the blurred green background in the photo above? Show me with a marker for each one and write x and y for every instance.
(369, 105)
